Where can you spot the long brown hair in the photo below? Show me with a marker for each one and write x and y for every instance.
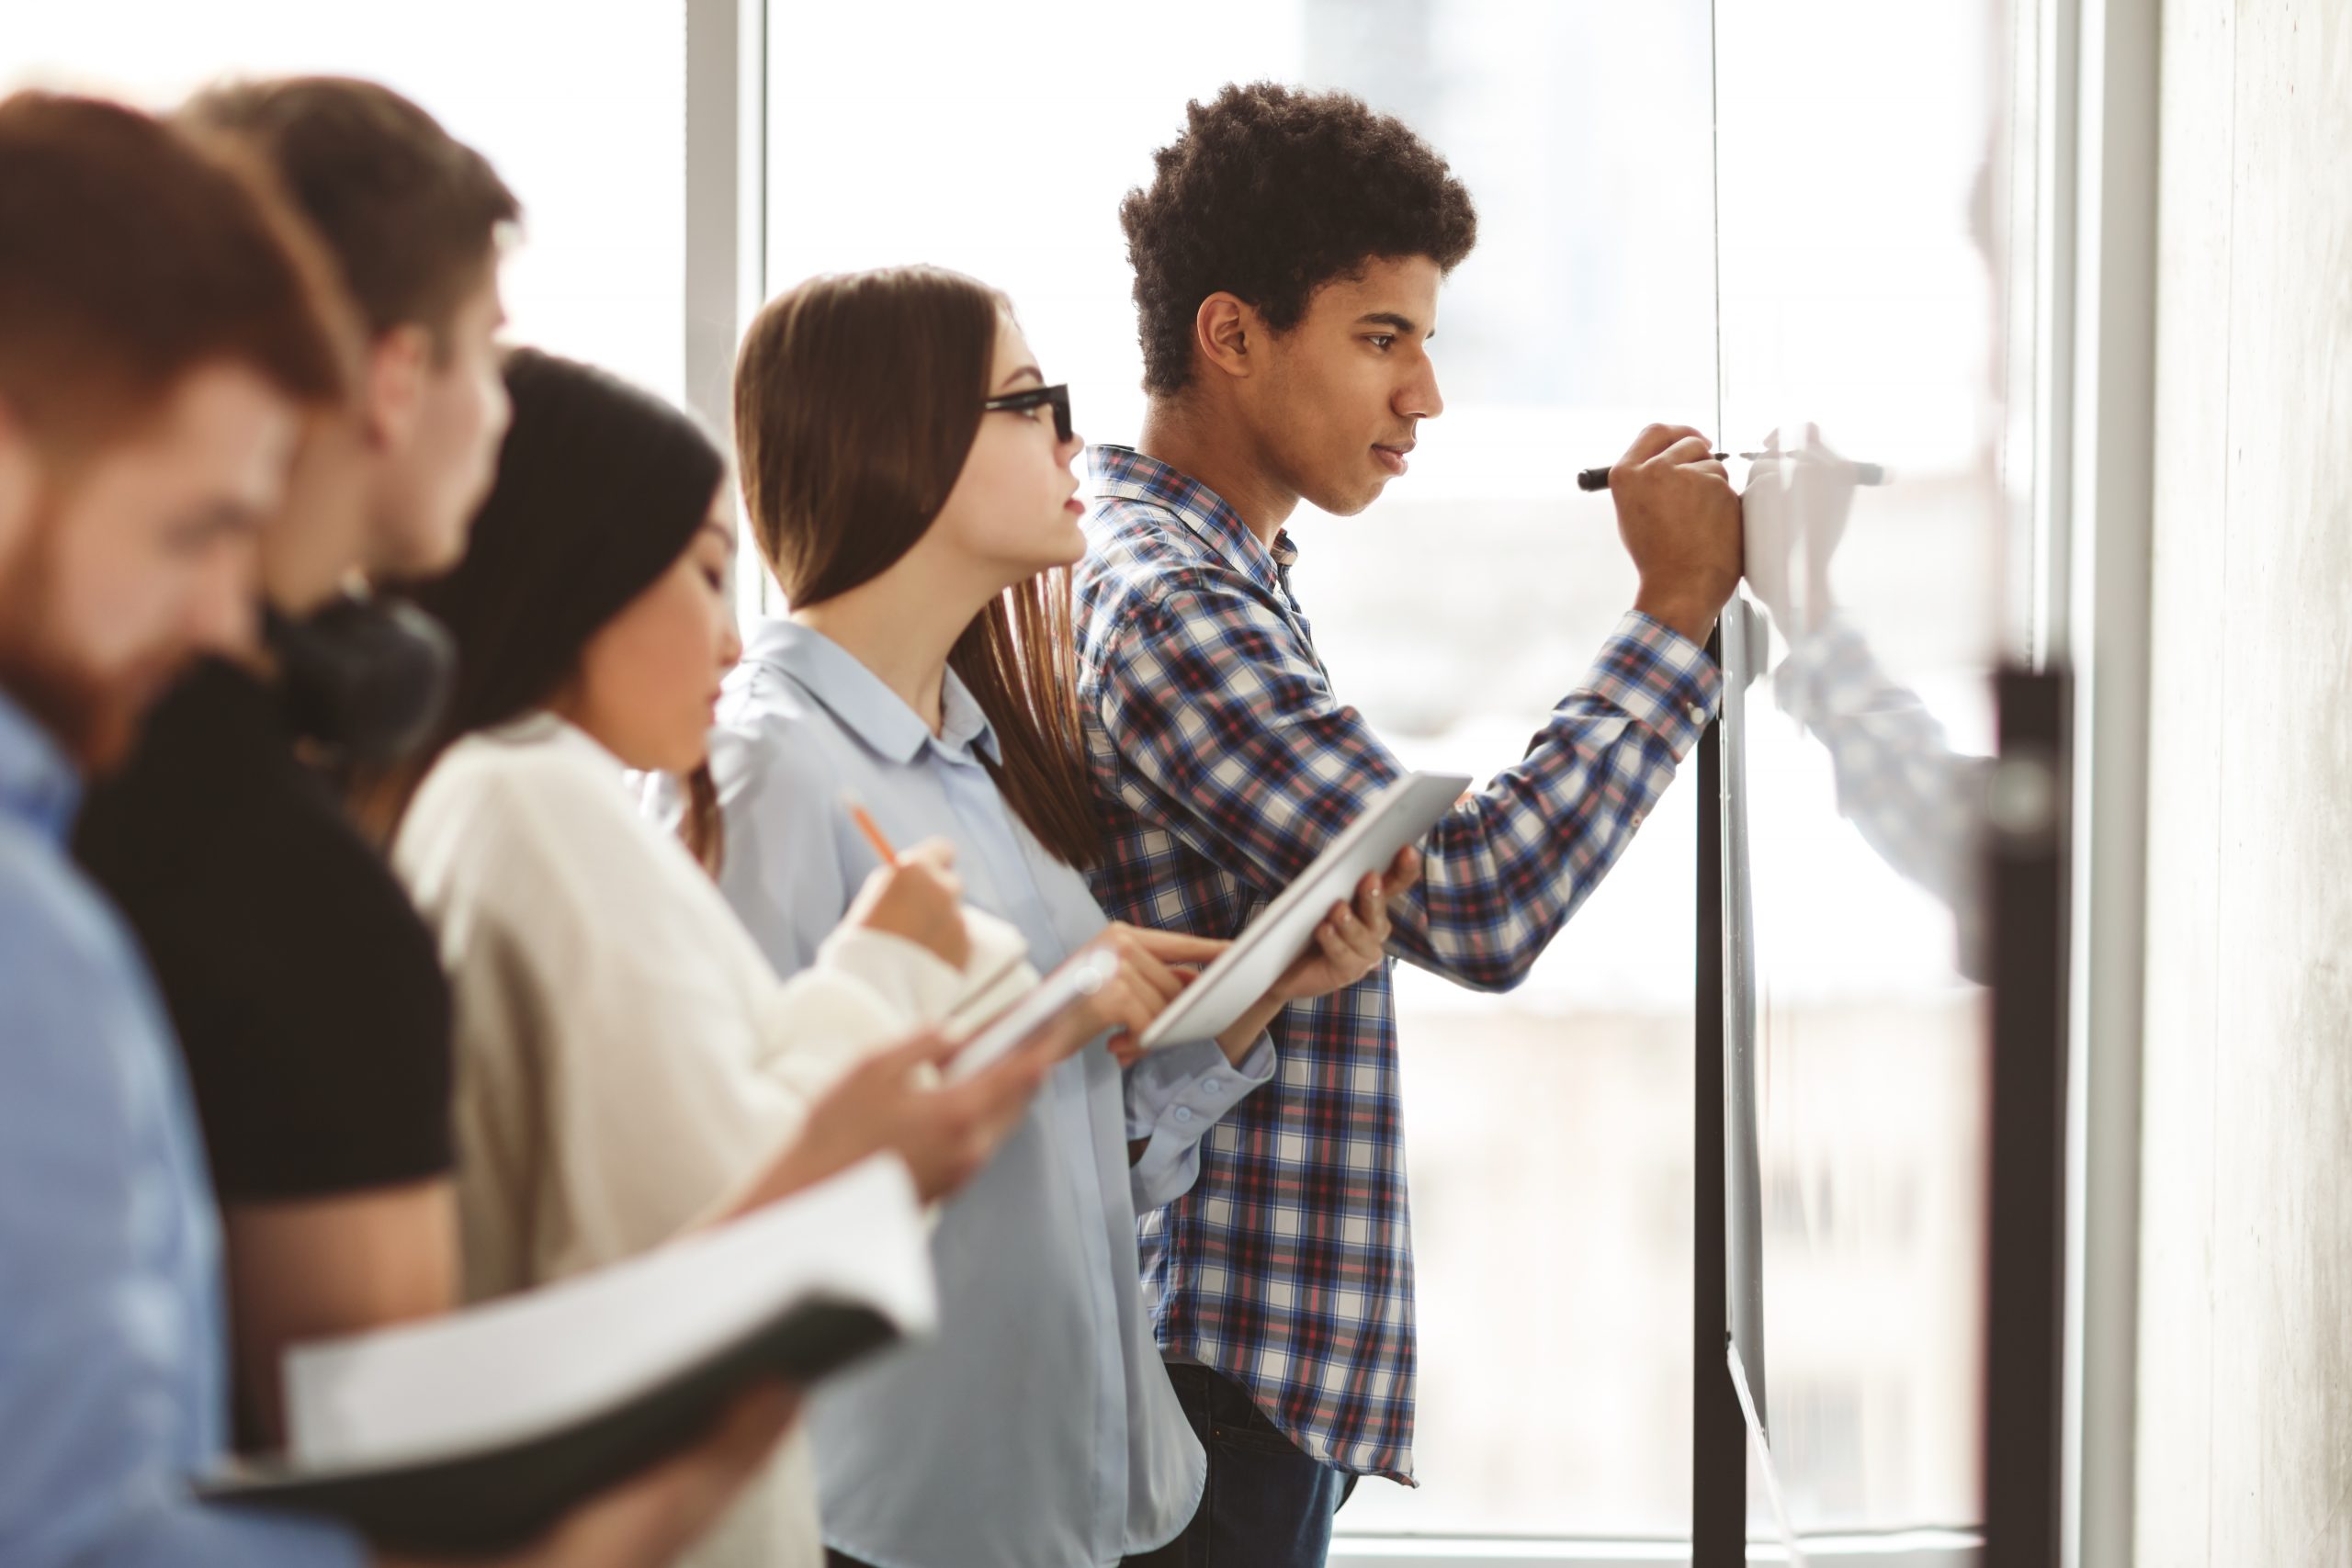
(856, 398)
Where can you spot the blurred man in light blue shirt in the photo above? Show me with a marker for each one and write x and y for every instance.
(157, 352)
(159, 349)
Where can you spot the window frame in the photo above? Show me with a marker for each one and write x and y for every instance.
(2095, 98)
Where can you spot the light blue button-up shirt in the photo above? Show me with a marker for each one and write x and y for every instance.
(112, 1361)
(1038, 1430)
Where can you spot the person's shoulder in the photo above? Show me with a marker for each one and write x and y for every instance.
(208, 742)
(80, 1032)
(763, 701)
(522, 772)
(771, 732)
(533, 841)
(210, 760)
(1135, 540)
(505, 812)
(64, 951)
(1144, 567)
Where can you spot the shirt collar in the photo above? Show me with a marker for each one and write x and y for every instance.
(863, 705)
(1127, 474)
(541, 727)
(37, 785)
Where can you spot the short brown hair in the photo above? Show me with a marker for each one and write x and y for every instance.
(1270, 193)
(128, 258)
(412, 215)
(857, 398)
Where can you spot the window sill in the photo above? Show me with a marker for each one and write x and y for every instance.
(1898, 1548)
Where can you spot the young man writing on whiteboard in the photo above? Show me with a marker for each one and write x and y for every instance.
(1288, 257)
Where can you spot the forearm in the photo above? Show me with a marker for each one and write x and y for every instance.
(1238, 1040)
(1509, 867)
(1257, 775)
(313, 1269)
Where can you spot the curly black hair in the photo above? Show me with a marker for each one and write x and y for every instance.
(1270, 193)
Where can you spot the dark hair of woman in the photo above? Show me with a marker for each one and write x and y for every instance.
(601, 488)
(856, 400)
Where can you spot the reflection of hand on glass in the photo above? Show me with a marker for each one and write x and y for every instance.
(1912, 797)
(1795, 510)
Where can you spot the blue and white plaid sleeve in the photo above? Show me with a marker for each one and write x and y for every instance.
(1912, 797)
(1235, 743)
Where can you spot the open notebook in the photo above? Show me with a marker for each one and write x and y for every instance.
(477, 1430)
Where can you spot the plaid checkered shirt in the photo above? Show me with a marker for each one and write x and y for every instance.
(1223, 762)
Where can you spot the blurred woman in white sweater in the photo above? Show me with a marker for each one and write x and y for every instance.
(629, 1065)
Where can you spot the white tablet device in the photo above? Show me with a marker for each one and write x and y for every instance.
(1044, 1002)
(1400, 814)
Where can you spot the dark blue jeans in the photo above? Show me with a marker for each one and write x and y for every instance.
(1267, 1503)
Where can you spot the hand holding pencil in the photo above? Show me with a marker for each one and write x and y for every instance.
(914, 894)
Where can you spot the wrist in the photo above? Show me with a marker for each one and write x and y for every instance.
(1236, 1040)
(1687, 615)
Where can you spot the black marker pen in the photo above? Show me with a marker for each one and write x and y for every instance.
(1863, 473)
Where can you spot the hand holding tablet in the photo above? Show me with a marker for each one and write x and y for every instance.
(1322, 933)
(1399, 817)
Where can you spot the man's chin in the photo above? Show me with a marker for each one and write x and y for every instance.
(1348, 503)
(108, 739)
(424, 557)
(95, 723)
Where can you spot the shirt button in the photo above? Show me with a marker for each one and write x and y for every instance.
(1211, 1084)
(1183, 1113)
(1698, 716)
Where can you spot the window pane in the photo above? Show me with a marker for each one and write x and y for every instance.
(1549, 1130)
(580, 104)
(1866, 158)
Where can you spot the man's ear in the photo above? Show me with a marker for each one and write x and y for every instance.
(1225, 330)
(398, 364)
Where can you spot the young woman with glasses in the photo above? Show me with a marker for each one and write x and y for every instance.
(908, 473)
(629, 1065)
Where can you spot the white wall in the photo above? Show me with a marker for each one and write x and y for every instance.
(2244, 1446)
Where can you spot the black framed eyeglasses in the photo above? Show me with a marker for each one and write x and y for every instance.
(1055, 398)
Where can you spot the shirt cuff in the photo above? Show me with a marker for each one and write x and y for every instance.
(1660, 677)
(905, 974)
(1174, 1096)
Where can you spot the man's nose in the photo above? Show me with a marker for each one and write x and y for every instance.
(1419, 398)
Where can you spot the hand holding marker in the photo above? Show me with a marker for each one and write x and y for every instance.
(1864, 473)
